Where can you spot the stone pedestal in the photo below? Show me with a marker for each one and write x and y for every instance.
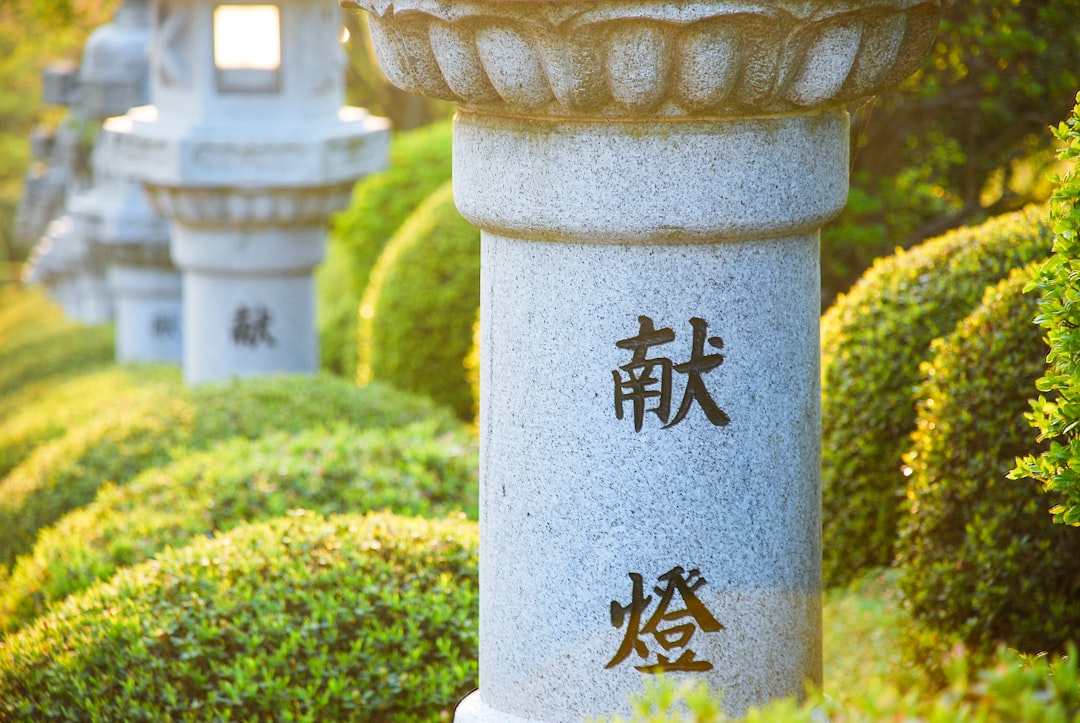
(247, 157)
(144, 282)
(650, 181)
(55, 264)
(148, 312)
(253, 294)
(649, 404)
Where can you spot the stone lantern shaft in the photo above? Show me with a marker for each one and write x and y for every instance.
(650, 180)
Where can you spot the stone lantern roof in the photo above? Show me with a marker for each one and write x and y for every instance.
(113, 73)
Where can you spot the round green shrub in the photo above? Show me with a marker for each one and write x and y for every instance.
(1055, 413)
(39, 345)
(873, 340)
(165, 421)
(419, 164)
(58, 406)
(414, 470)
(981, 559)
(300, 619)
(416, 318)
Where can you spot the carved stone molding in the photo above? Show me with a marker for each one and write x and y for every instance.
(617, 58)
(246, 209)
(153, 255)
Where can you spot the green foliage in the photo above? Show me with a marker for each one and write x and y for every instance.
(981, 560)
(419, 164)
(55, 407)
(160, 422)
(33, 33)
(1056, 413)
(39, 346)
(416, 318)
(412, 470)
(472, 364)
(962, 139)
(1042, 689)
(300, 619)
(873, 340)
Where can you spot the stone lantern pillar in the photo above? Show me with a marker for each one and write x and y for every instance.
(246, 151)
(127, 238)
(43, 217)
(54, 263)
(650, 180)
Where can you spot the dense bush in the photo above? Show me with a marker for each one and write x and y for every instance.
(307, 619)
(419, 164)
(1057, 416)
(166, 421)
(413, 470)
(981, 559)
(873, 340)
(472, 364)
(417, 315)
(55, 408)
(38, 346)
(1044, 689)
(964, 138)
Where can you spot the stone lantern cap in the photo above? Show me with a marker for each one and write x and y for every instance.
(617, 58)
(318, 152)
(113, 75)
(60, 83)
(282, 175)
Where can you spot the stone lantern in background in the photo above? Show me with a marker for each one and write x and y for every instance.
(43, 190)
(650, 179)
(247, 150)
(54, 263)
(127, 240)
(48, 194)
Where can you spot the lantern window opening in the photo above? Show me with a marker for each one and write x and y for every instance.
(247, 48)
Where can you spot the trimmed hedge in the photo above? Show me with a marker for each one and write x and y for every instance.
(56, 408)
(413, 470)
(981, 560)
(873, 340)
(417, 315)
(39, 345)
(419, 164)
(167, 421)
(300, 619)
(1055, 413)
(1044, 689)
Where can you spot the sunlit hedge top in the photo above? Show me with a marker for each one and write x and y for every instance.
(417, 315)
(159, 423)
(417, 470)
(419, 163)
(301, 619)
(872, 341)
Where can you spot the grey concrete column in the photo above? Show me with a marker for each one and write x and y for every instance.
(650, 181)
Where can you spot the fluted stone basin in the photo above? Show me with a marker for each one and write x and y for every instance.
(627, 58)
